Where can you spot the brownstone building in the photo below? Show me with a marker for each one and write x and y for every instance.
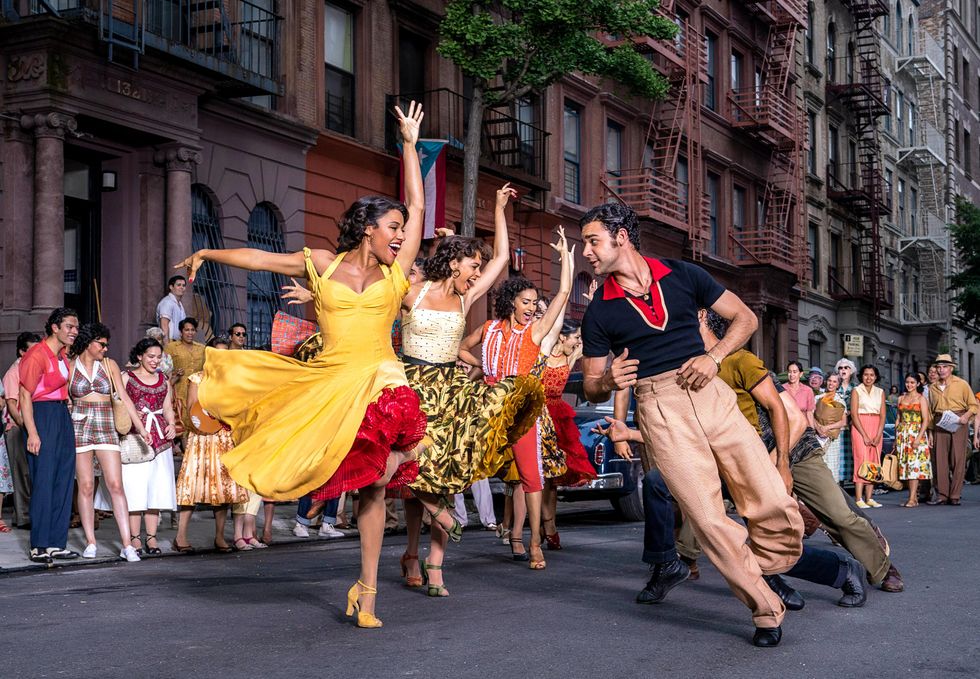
(257, 122)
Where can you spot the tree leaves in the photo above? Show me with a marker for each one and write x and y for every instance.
(526, 45)
(965, 233)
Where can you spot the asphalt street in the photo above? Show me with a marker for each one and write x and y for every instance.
(279, 613)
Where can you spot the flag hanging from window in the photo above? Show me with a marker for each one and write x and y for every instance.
(432, 158)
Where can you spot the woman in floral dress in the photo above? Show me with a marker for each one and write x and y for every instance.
(911, 438)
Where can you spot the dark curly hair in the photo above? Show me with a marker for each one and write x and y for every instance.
(57, 317)
(142, 347)
(507, 292)
(364, 212)
(570, 326)
(454, 248)
(88, 333)
(24, 340)
(717, 324)
(219, 339)
(614, 216)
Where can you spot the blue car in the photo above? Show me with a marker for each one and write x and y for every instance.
(618, 480)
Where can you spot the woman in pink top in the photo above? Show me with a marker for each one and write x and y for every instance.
(801, 393)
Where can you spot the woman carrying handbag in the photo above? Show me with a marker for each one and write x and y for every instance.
(94, 397)
(148, 472)
(867, 428)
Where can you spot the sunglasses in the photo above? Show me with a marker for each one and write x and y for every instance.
(240, 334)
(104, 345)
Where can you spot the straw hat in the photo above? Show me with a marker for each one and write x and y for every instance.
(944, 359)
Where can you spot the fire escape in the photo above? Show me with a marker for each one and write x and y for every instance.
(927, 239)
(668, 187)
(860, 186)
(770, 111)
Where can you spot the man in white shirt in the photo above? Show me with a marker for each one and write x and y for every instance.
(170, 310)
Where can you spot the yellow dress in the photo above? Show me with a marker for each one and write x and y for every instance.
(294, 422)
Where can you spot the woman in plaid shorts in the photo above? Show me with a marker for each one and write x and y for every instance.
(90, 390)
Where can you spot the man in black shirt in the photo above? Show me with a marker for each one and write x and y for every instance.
(646, 314)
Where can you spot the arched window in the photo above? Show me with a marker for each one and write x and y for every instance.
(215, 304)
(264, 233)
(899, 27)
(831, 50)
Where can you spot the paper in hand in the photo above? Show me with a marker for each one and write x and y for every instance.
(950, 421)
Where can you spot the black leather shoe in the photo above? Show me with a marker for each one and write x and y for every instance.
(767, 636)
(853, 587)
(793, 600)
(663, 578)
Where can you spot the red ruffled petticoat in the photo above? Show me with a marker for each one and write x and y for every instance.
(580, 470)
(394, 421)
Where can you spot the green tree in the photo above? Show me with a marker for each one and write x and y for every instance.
(966, 282)
(512, 48)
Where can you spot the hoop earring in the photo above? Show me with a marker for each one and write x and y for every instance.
(455, 273)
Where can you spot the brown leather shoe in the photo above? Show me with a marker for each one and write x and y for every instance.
(893, 581)
(693, 565)
(810, 522)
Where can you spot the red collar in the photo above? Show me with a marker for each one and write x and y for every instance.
(613, 290)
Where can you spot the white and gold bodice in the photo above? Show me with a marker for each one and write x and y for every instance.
(432, 336)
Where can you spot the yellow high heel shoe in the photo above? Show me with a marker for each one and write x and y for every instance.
(364, 619)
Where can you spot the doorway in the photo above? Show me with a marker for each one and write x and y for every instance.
(83, 237)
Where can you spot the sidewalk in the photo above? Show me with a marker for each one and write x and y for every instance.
(15, 545)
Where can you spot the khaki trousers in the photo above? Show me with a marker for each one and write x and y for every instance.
(814, 484)
(697, 436)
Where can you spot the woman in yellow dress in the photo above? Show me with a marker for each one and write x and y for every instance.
(347, 419)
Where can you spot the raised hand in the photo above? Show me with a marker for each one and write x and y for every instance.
(411, 124)
(561, 247)
(192, 264)
(444, 232)
(504, 194)
(593, 286)
(296, 293)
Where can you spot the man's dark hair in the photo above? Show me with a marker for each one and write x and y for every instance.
(799, 366)
(57, 317)
(189, 320)
(506, 293)
(717, 324)
(24, 340)
(88, 333)
(231, 330)
(173, 280)
(219, 339)
(613, 217)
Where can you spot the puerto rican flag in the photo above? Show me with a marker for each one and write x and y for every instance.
(432, 158)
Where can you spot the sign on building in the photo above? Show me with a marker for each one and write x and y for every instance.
(853, 345)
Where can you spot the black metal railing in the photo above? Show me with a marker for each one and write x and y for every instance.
(509, 145)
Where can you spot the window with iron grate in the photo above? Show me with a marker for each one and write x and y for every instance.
(263, 290)
(215, 302)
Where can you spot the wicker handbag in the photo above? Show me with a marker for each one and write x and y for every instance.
(134, 450)
(120, 416)
(288, 332)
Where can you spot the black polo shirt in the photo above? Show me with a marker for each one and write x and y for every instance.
(660, 329)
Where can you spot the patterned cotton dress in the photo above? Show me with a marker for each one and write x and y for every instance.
(148, 485)
(203, 479)
(473, 425)
(913, 460)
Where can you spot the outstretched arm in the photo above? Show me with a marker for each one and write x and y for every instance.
(557, 307)
(250, 259)
(567, 271)
(414, 192)
(501, 247)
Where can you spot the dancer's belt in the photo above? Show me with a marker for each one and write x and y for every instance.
(411, 360)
